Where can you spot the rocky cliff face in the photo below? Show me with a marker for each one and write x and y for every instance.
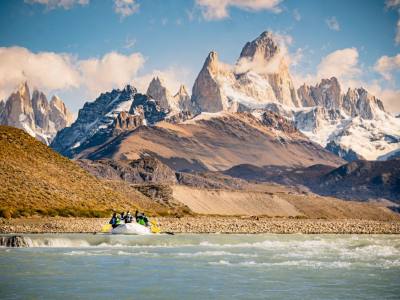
(34, 115)
(149, 108)
(207, 93)
(158, 91)
(147, 169)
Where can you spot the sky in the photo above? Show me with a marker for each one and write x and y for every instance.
(80, 48)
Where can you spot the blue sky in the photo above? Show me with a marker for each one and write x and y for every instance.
(173, 37)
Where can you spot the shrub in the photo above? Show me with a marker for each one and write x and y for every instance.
(5, 213)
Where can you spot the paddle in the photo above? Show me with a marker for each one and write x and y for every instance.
(106, 228)
(168, 232)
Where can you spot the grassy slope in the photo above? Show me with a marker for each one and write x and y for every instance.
(36, 180)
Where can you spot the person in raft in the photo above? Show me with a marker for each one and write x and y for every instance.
(128, 217)
(141, 219)
(115, 220)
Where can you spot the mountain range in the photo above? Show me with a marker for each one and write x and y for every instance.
(351, 124)
(36, 115)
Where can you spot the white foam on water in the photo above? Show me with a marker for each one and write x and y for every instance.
(292, 263)
(140, 253)
(215, 253)
(57, 243)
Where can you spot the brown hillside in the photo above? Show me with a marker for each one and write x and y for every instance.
(215, 144)
(37, 180)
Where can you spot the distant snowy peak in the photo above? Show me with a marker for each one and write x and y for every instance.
(353, 125)
(327, 94)
(358, 102)
(34, 115)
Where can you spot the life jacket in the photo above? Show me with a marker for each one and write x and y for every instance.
(118, 222)
(141, 222)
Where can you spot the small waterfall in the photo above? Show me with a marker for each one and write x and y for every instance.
(15, 241)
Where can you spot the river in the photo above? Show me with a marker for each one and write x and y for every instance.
(212, 266)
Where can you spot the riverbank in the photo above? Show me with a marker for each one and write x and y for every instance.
(208, 224)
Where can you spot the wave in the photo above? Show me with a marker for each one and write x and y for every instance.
(215, 253)
(311, 264)
(109, 253)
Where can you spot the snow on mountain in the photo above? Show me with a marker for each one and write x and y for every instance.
(95, 121)
(353, 124)
(35, 115)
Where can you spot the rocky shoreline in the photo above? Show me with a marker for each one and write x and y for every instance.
(208, 224)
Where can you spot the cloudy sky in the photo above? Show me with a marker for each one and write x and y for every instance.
(79, 48)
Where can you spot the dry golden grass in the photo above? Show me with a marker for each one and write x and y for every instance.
(34, 179)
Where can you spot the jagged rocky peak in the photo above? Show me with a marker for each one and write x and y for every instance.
(327, 93)
(206, 92)
(34, 115)
(109, 102)
(263, 46)
(182, 92)
(211, 63)
(182, 99)
(18, 108)
(158, 91)
(41, 109)
(358, 102)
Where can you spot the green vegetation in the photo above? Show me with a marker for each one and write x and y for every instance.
(35, 180)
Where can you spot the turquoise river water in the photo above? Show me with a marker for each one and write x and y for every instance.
(219, 266)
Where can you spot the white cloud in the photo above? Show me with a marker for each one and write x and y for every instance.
(112, 70)
(333, 23)
(172, 77)
(258, 62)
(395, 4)
(342, 64)
(125, 8)
(389, 96)
(387, 65)
(296, 15)
(218, 9)
(50, 71)
(46, 70)
(52, 4)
